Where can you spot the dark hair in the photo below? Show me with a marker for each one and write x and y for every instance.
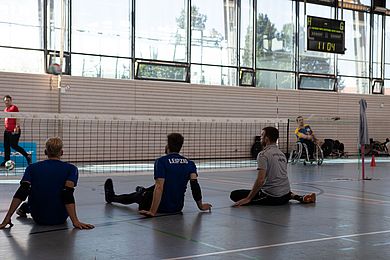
(175, 142)
(7, 96)
(296, 120)
(272, 133)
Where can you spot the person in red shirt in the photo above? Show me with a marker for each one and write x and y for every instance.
(12, 133)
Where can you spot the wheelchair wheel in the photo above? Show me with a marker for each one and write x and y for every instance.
(319, 155)
(296, 154)
(305, 154)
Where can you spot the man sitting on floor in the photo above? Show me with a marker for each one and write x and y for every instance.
(49, 186)
(171, 174)
(272, 186)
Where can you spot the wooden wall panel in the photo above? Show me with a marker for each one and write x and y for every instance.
(38, 93)
(162, 98)
(97, 96)
(31, 92)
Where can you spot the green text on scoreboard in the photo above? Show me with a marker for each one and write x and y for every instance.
(326, 35)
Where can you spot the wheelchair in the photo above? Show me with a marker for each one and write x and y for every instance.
(302, 154)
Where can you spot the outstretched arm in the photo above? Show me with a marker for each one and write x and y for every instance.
(67, 196)
(255, 189)
(197, 193)
(157, 194)
(12, 208)
(20, 195)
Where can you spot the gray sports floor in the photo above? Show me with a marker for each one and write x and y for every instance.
(351, 220)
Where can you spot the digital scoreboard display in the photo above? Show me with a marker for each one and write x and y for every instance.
(325, 35)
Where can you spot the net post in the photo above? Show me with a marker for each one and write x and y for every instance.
(287, 134)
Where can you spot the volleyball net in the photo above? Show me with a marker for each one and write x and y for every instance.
(104, 144)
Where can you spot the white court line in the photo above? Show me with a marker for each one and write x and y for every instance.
(346, 197)
(356, 198)
(225, 181)
(280, 244)
(9, 181)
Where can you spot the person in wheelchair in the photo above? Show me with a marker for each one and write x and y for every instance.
(305, 135)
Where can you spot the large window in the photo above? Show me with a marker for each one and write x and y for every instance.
(214, 32)
(213, 75)
(214, 41)
(353, 85)
(275, 79)
(101, 67)
(56, 37)
(101, 27)
(161, 30)
(377, 47)
(387, 49)
(246, 34)
(362, 2)
(253, 43)
(387, 87)
(17, 60)
(275, 29)
(21, 24)
(387, 55)
(355, 61)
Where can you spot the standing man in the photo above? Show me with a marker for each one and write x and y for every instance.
(12, 133)
(272, 186)
(172, 172)
(49, 186)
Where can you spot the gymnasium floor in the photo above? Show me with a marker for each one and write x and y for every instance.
(351, 220)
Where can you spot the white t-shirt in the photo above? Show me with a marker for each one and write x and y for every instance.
(274, 162)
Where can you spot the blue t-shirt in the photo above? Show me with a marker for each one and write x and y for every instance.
(47, 180)
(306, 130)
(175, 170)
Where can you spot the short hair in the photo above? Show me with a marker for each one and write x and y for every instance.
(272, 133)
(296, 120)
(54, 147)
(175, 142)
(7, 96)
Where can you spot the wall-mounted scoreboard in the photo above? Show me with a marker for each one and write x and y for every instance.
(325, 35)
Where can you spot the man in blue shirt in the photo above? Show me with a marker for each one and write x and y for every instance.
(49, 186)
(171, 174)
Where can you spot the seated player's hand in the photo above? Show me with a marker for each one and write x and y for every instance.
(242, 202)
(205, 206)
(318, 142)
(16, 129)
(81, 225)
(147, 213)
(6, 222)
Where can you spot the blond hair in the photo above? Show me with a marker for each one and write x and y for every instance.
(54, 147)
